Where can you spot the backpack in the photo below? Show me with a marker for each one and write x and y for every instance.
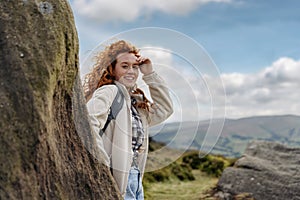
(115, 108)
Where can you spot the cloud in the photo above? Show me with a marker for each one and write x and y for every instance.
(272, 91)
(120, 10)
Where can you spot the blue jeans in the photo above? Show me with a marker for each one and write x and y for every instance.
(134, 190)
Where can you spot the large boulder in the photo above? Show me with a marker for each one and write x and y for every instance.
(47, 149)
(266, 171)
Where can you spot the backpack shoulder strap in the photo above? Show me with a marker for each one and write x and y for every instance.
(115, 108)
(117, 104)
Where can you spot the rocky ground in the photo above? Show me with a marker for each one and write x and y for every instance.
(267, 170)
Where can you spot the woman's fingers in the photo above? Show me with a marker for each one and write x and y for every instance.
(143, 60)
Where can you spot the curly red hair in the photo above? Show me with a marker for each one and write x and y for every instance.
(103, 71)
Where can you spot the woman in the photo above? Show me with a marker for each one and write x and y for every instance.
(125, 140)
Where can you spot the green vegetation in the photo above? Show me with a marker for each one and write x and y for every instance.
(189, 177)
(176, 170)
(211, 164)
(176, 189)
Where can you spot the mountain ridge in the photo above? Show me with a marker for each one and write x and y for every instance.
(234, 135)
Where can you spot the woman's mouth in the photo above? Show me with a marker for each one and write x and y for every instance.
(130, 78)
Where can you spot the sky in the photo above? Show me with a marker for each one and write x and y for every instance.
(251, 46)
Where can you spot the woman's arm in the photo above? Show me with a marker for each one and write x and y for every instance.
(98, 108)
(162, 104)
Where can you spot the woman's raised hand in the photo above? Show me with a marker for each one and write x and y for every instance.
(145, 65)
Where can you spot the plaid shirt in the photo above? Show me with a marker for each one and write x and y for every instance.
(137, 131)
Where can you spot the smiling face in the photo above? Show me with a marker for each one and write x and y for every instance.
(127, 69)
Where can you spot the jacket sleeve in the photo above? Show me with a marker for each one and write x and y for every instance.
(162, 106)
(98, 108)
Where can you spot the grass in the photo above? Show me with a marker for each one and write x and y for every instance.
(185, 190)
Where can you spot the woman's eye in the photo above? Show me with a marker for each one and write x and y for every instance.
(135, 66)
(125, 66)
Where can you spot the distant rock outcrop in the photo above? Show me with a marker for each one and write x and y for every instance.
(266, 171)
(42, 114)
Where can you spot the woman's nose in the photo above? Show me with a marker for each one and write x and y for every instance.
(130, 70)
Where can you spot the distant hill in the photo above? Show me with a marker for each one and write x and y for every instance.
(234, 135)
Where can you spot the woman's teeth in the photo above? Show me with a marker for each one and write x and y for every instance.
(129, 78)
